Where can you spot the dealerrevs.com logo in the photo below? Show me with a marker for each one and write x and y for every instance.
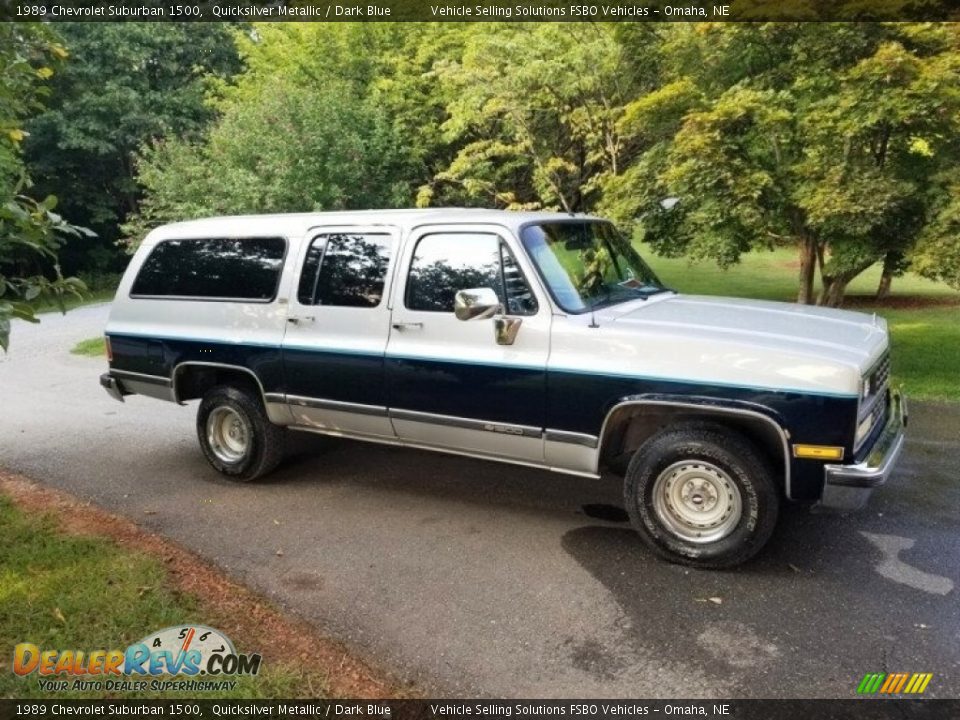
(185, 650)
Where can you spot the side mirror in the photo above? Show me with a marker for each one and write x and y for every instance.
(476, 304)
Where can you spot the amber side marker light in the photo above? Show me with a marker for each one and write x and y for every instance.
(106, 342)
(818, 452)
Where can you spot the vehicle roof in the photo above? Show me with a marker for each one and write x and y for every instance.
(295, 224)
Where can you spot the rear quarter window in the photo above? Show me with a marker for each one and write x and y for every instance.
(213, 269)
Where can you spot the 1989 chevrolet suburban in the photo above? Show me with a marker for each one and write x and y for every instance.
(533, 338)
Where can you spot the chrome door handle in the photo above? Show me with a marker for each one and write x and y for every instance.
(298, 320)
(407, 326)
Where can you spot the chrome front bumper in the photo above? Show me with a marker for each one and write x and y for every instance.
(112, 386)
(848, 487)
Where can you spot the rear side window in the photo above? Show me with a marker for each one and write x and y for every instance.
(345, 270)
(213, 269)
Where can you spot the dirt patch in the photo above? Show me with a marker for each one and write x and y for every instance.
(902, 302)
(226, 605)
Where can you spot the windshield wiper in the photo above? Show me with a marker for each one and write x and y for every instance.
(655, 291)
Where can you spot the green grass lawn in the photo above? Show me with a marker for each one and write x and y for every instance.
(92, 347)
(924, 316)
(64, 592)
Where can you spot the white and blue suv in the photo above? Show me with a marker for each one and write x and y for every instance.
(540, 339)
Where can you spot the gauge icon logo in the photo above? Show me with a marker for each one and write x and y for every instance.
(188, 650)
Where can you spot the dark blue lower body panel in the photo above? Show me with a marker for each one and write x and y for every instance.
(571, 401)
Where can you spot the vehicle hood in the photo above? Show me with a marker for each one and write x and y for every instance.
(838, 334)
(773, 339)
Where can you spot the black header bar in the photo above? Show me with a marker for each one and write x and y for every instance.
(861, 709)
(480, 10)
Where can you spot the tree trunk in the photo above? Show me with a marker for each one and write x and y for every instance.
(808, 266)
(883, 289)
(890, 262)
(835, 286)
(833, 291)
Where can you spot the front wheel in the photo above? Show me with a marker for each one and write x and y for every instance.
(236, 435)
(701, 495)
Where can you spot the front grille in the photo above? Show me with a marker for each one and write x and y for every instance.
(880, 376)
(879, 412)
(877, 402)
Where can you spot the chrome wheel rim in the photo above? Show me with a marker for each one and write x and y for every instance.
(227, 435)
(697, 501)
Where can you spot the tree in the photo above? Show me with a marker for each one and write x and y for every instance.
(830, 138)
(30, 232)
(300, 130)
(534, 110)
(124, 84)
(937, 253)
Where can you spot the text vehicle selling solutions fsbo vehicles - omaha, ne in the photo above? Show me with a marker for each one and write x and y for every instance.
(534, 338)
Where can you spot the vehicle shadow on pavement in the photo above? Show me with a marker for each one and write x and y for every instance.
(811, 599)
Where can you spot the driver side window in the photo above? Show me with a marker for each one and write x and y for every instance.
(444, 263)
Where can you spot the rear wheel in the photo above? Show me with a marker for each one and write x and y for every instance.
(235, 434)
(702, 495)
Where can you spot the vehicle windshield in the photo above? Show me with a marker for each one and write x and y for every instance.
(588, 264)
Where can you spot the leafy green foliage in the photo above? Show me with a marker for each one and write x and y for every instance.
(830, 138)
(705, 140)
(535, 111)
(31, 233)
(123, 85)
(296, 133)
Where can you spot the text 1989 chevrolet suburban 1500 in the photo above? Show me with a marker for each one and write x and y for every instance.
(534, 338)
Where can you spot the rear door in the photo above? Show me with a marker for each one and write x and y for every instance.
(337, 328)
(451, 385)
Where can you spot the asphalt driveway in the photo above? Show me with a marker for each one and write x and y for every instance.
(477, 578)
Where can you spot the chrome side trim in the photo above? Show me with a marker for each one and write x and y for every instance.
(337, 405)
(709, 408)
(433, 448)
(573, 438)
(142, 377)
(275, 397)
(468, 423)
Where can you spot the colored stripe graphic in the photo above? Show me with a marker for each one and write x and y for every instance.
(894, 683)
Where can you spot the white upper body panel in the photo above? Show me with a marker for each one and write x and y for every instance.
(714, 341)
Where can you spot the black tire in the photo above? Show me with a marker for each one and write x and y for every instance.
(264, 442)
(723, 455)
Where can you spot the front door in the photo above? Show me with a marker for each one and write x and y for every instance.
(450, 383)
(338, 322)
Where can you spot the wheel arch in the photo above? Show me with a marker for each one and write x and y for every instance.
(192, 378)
(634, 419)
